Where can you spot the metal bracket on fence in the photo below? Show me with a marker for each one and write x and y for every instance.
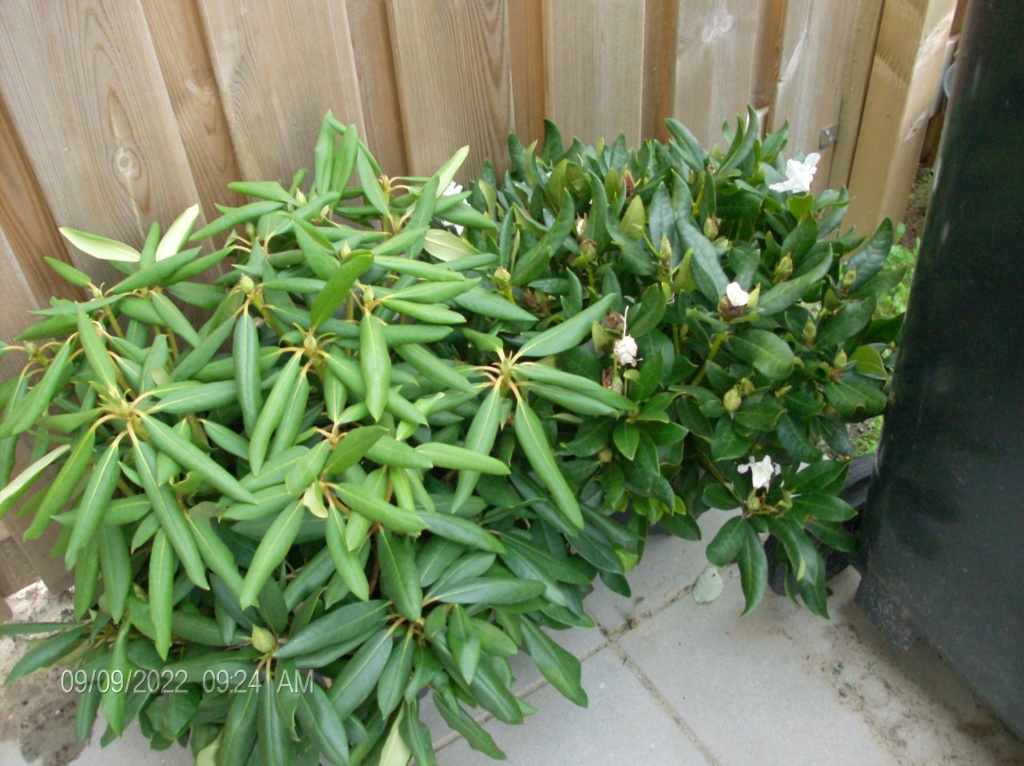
(828, 136)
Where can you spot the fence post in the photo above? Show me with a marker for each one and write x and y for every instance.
(907, 66)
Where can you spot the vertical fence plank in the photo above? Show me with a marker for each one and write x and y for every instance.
(18, 299)
(280, 65)
(659, 66)
(454, 80)
(863, 36)
(908, 60)
(809, 89)
(717, 41)
(526, 42)
(177, 33)
(16, 571)
(84, 90)
(25, 222)
(378, 83)
(594, 67)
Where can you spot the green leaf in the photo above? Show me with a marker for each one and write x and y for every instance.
(569, 333)
(10, 494)
(464, 642)
(116, 567)
(870, 259)
(372, 191)
(63, 485)
(273, 548)
(854, 396)
(399, 578)
(823, 507)
(338, 287)
(468, 533)
(491, 304)
(336, 626)
(727, 443)
(96, 352)
(431, 367)
(45, 653)
(351, 449)
(534, 262)
(767, 352)
(272, 412)
(726, 545)
(753, 566)
(462, 722)
(532, 439)
(100, 247)
(557, 665)
(706, 268)
(417, 735)
(395, 676)
(247, 370)
(322, 723)
(459, 458)
(847, 322)
(177, 234)
(359, 677)
(186, 454)
(375, 362)
(273, 743)
(168, 511)
(365, 503)
(626, 437)
(489, 589)
(793, 436)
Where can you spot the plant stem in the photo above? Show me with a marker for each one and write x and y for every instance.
(715, 345)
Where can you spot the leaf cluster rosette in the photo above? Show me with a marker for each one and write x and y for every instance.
(383, 439)
(743, 330)
(292, 509)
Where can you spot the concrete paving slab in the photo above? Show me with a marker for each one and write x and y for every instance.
(782, 686)
(668, 569)
(622, 725)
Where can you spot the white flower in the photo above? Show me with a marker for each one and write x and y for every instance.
(798, 175)
(760, 473)
(738, 297)
(625, 350)
(454, 188)
(581, 227)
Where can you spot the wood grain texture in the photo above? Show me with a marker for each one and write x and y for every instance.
(659, 66)
(378, 83)
(594, 74)
(908, 59)
(714, 81)
(36, 552)
(526, 46)
(85, 92)
(178, 39)
(809, 91)
(454, 80)
(280, 65)
(25, 220)
(16, 571)
(18, 298)
(768, 56)
(859, 59)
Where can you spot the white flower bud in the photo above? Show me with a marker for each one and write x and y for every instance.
(625, 350)
(760, 472)
(798, 175)
(738, 297)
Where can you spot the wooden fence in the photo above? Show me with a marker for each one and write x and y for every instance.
(115, 113)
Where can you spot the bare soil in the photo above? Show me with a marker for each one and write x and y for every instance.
(34, 711)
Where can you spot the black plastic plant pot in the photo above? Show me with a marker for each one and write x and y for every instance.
(944, 522)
